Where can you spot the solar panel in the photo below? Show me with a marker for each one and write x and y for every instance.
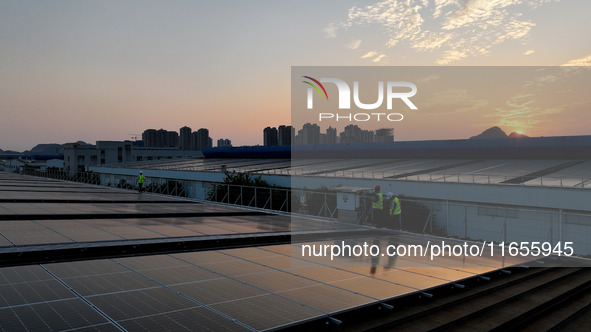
(180, 274)
(53, 316)
(276, 281)
(23, 232)
(193, 319)
(266, 311)
(22, 274)
(78, 231)
(373, 287)
(108, 283)
(218, 291)
(140, 303)
(326, 298)
(142, 263)
(32, 292)
(84, 268)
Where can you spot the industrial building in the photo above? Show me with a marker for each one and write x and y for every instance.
(77, 157)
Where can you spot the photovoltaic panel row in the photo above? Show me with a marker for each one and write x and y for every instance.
(88, 208)
(31, 232)
(128, 296)
(257, 287)
(70, 195)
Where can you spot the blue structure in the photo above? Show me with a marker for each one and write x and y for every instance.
(561, 147)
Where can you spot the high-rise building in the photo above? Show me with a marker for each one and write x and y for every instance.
(285, 135)
(200, 139)
(185, 138)
(270, 136)
(223, 142)
(354, 134)
(149, 137)
(384, 135)
(309, 134)
(173, 139)
(331, 135)
(161, 138)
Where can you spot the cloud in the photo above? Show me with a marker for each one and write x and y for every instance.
(354, 44)
(584, 61)
(450, 56)
(379, 58)
(330, 31)
(369, 55)
(441, 4)
(529, 52)
(458, 29)
(375, 56)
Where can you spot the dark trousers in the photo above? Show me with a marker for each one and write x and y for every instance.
(379, 217)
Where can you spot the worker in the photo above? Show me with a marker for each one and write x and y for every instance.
(378, 207)
(140, 181)
(395, 211)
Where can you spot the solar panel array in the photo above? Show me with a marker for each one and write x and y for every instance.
(247, 288)
(92, 213)
(256, 288)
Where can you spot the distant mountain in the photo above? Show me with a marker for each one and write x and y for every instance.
(50, 149)
(517, 135)
(46, 149)
(9, 152)
(494, 132)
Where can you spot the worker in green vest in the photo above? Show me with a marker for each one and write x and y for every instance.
(378, 207)
(395, 210)
(140, 181)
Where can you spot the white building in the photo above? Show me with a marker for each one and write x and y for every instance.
(12, 165)
(77, 158)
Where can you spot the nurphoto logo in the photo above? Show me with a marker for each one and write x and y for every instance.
(344, 99)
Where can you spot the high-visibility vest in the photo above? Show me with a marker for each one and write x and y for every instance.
(140, 179)
(395, 207)
(380, 203)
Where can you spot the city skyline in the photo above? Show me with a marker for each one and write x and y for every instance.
(94, 71)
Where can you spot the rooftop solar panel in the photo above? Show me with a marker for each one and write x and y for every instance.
(32, 292)
(22, 274)
(85, 268)
(326, 298)
(140, 303)
(108, 283)
(267, 311)
(210, 292)
(192, 319)
(232, 289)
(64, 315)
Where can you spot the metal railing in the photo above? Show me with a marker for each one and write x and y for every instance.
(270, 198)
(83, 177)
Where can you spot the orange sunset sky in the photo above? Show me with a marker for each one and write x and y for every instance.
(105, 70)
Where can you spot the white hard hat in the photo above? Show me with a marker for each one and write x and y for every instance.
(389, 195)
